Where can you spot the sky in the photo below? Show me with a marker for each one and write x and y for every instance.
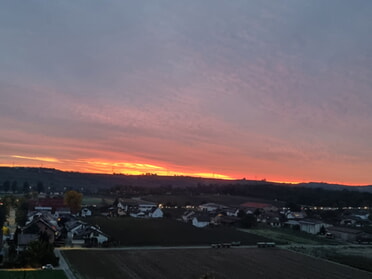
(275, 90)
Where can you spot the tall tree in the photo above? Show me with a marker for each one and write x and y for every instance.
(6, 185)
(2, 214)
(14, 186)
(26, 187)
(73, 200)
(40, 187)
(21, 212)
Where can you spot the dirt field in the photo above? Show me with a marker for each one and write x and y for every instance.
(218, 263)
(166, 232)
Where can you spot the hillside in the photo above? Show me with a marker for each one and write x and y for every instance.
(59, 180)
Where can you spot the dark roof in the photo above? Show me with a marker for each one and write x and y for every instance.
(203, 218)
(310, 221)
(255, 205)
(48, 202)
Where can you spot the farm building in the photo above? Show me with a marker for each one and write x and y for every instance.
(312, 226)
(211, 207)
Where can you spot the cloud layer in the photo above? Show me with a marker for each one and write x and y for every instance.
(256, 89)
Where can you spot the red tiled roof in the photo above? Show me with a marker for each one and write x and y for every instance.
(255, 204)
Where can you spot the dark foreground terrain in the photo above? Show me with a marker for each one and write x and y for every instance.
(217, 263)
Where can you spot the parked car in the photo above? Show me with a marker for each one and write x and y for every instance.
(47, 266)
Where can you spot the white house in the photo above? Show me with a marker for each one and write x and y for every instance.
(62, 211)
(146, 206)
(85, 212)
(210, 207)
(295, 215)
(137, 214)
(201, 221)
(156, 213)
(188, 216)
(232, 212)
(90, 235)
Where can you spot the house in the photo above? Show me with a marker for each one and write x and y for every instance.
(274, 222)
(252, 207)
(137, 214)
(40, 224)
(292, 224)
(211, 207)
(156, 213)
(344, 233)
(90, 236)
(122, 207)
(62, 211)
(295, 215)
(47, 204)
(146, 206)
(312, 226)
(201, 221)
(74, 225)
(43, 209)
(221, 219)
(85, 212)
(231, 212)
(188, 216)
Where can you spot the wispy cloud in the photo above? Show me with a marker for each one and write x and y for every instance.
(242, 89)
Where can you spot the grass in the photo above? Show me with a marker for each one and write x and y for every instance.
(32, 274)
(355, 256)
(98, 201)
(181, 200)
(289, 236)
(360, 262)
(129, 231)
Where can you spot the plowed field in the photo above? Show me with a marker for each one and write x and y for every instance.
(218, 263)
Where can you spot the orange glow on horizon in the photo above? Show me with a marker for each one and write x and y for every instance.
(132, 168)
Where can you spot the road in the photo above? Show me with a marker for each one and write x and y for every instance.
(149, 248)
(63, 264)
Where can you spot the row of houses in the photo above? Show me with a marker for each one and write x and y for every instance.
(136, 208)
(56, 206)
(60, 231)
(216, 214)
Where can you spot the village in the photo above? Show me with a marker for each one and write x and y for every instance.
(64, 228)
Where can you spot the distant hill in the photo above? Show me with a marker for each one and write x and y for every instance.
(59, 180)
(340, 187)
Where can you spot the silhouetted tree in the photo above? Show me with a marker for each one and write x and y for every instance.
(26, 187)
(2, 214)
(21, 212)
(6, 185)
(14, 186)
(248, 221)
(38, 253)
(40, 187)
(73, 200)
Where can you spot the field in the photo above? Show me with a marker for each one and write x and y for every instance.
(128, 231)
(195, 263)
(181, 200)
(356, 256)
(98, 201)
(32, 274)
(289, 236)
